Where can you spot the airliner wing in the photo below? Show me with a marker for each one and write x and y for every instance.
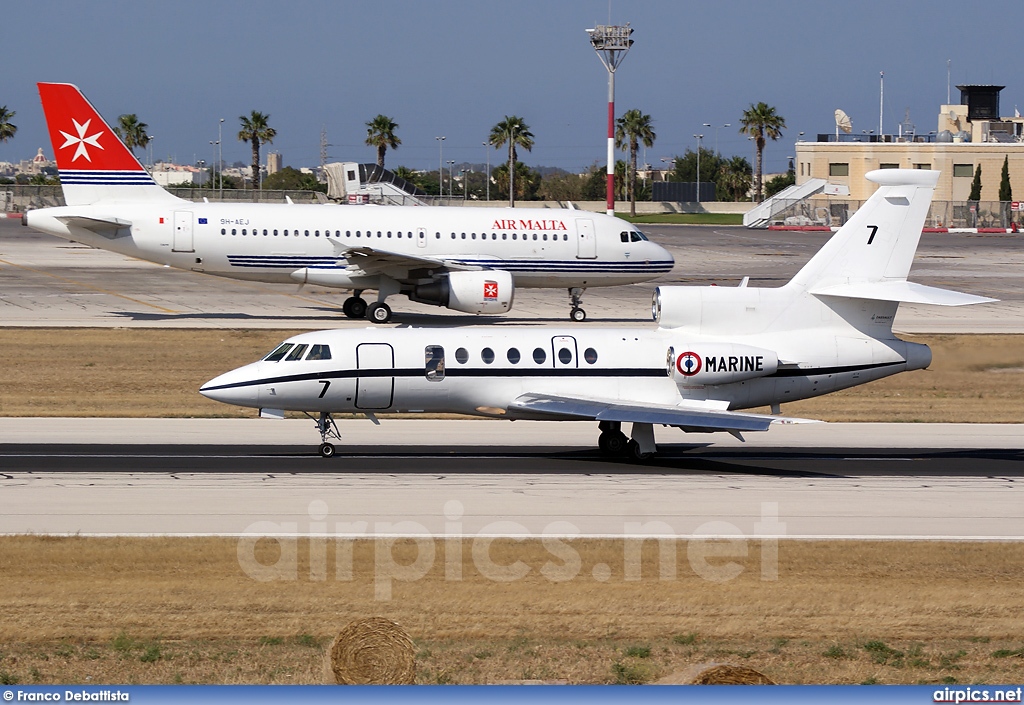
(688, 418)
(107, 227)
(372, 260)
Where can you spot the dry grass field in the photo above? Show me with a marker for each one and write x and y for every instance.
(160, 610)
(157, 372)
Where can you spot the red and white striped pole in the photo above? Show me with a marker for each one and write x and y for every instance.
(610, 196)
(611, 43)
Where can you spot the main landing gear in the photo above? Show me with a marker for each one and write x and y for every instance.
(576, 298)
(354, 306)
(328, 429)
(614, 444)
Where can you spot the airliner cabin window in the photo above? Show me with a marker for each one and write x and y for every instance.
(513, 356)
(565, 356)
(462, 356)
(487, 355)
(279, 352)
(434, 355)
(539, 356)
(319, 352)
(590, 355)
(296, 354)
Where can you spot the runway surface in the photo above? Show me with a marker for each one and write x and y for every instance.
(820, 481)
(45, 281)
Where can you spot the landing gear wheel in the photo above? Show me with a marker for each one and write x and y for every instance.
(354, 307)
(328, 429)
(578, 315)
(327, 450)
(576, 299)
(612, 442)
(379, 312)
(634, 453)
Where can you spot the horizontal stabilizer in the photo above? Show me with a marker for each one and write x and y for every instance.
(107, 227)
(901, 291)
(689, 418)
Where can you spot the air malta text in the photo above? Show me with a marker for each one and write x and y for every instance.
(529, 224)
(734, 363)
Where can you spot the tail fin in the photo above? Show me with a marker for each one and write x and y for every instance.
(870, 256)
(93, 163)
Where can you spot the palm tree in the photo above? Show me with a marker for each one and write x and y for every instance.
(131, 131)
(380, 133)
(761, 121)
(632, 128)
(256, 130)
(514, 131)
(7, 128)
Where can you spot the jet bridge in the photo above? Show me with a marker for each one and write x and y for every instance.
(350, 182)
(761, 216)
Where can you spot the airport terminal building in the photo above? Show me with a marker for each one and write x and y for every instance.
(968, 135)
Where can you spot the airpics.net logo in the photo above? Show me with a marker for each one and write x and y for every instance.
(406, 551)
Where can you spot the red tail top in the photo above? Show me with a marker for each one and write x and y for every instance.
(81, 140)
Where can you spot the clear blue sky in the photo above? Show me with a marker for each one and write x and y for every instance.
(455, 68)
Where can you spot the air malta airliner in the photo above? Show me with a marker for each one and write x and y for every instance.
(466, 259)
(716, 350)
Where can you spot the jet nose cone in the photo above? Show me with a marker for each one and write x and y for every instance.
(239, 387)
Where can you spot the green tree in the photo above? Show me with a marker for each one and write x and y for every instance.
(761, 122)
(513, 131)
(132, 132)
(734, 178)
(561, 187)
(1005, 190)
(380, 133)
(632, 129)
(780, 182)
(7, 128)
(256, 131)
(686, 166)
(976, 185)
(291, 179)
(527, 182)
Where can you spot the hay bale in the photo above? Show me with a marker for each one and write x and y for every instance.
(371, 651)
(716, 674)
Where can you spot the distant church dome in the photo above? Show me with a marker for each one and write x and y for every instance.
(39, 158)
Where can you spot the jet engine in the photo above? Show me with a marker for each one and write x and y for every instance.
(486, 291)
(703, 307)
(700, 364)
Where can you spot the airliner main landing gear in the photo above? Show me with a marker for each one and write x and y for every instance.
(328, 429)
(576, 298)
(354, 306)
(378, 312)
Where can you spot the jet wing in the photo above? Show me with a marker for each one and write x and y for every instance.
(107, 227)
(368, 261)
(692, 418)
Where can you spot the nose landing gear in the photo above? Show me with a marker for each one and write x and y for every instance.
(328, 429)
(576, 298)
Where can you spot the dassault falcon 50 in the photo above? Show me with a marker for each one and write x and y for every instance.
(716, 350)
(466, 259)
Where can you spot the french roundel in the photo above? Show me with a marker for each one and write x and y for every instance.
(689, 364)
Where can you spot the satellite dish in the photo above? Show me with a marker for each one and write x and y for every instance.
(952, 116)
(843, 123)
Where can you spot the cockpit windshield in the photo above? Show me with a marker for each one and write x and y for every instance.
(632, 236)
(279, 352)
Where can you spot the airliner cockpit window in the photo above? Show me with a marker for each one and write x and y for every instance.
(434, 355)
(297, 353)
(319, 352)
(279, 352)
(624, 236)
(637, 236)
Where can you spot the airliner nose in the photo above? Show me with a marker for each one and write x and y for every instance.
(239, 387)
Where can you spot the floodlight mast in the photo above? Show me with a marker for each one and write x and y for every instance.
(611, 42)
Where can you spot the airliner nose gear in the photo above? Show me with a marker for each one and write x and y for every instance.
(576, 298)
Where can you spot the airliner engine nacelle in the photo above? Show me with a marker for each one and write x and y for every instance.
(487, 291)
(693, 306)
(701, 364)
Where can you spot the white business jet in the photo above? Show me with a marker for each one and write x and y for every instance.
(716, 349)
(467, 259)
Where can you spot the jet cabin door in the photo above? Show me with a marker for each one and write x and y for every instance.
(375, 386)
(586, 242)
(183, 232)
(563, 351)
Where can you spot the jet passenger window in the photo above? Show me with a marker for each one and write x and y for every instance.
(279, 352)
(513, 356)
(434, 355)
(590, 355)
(539, 356)
(297, 353)
(462, 356)
(487, 355)
(319, 352)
